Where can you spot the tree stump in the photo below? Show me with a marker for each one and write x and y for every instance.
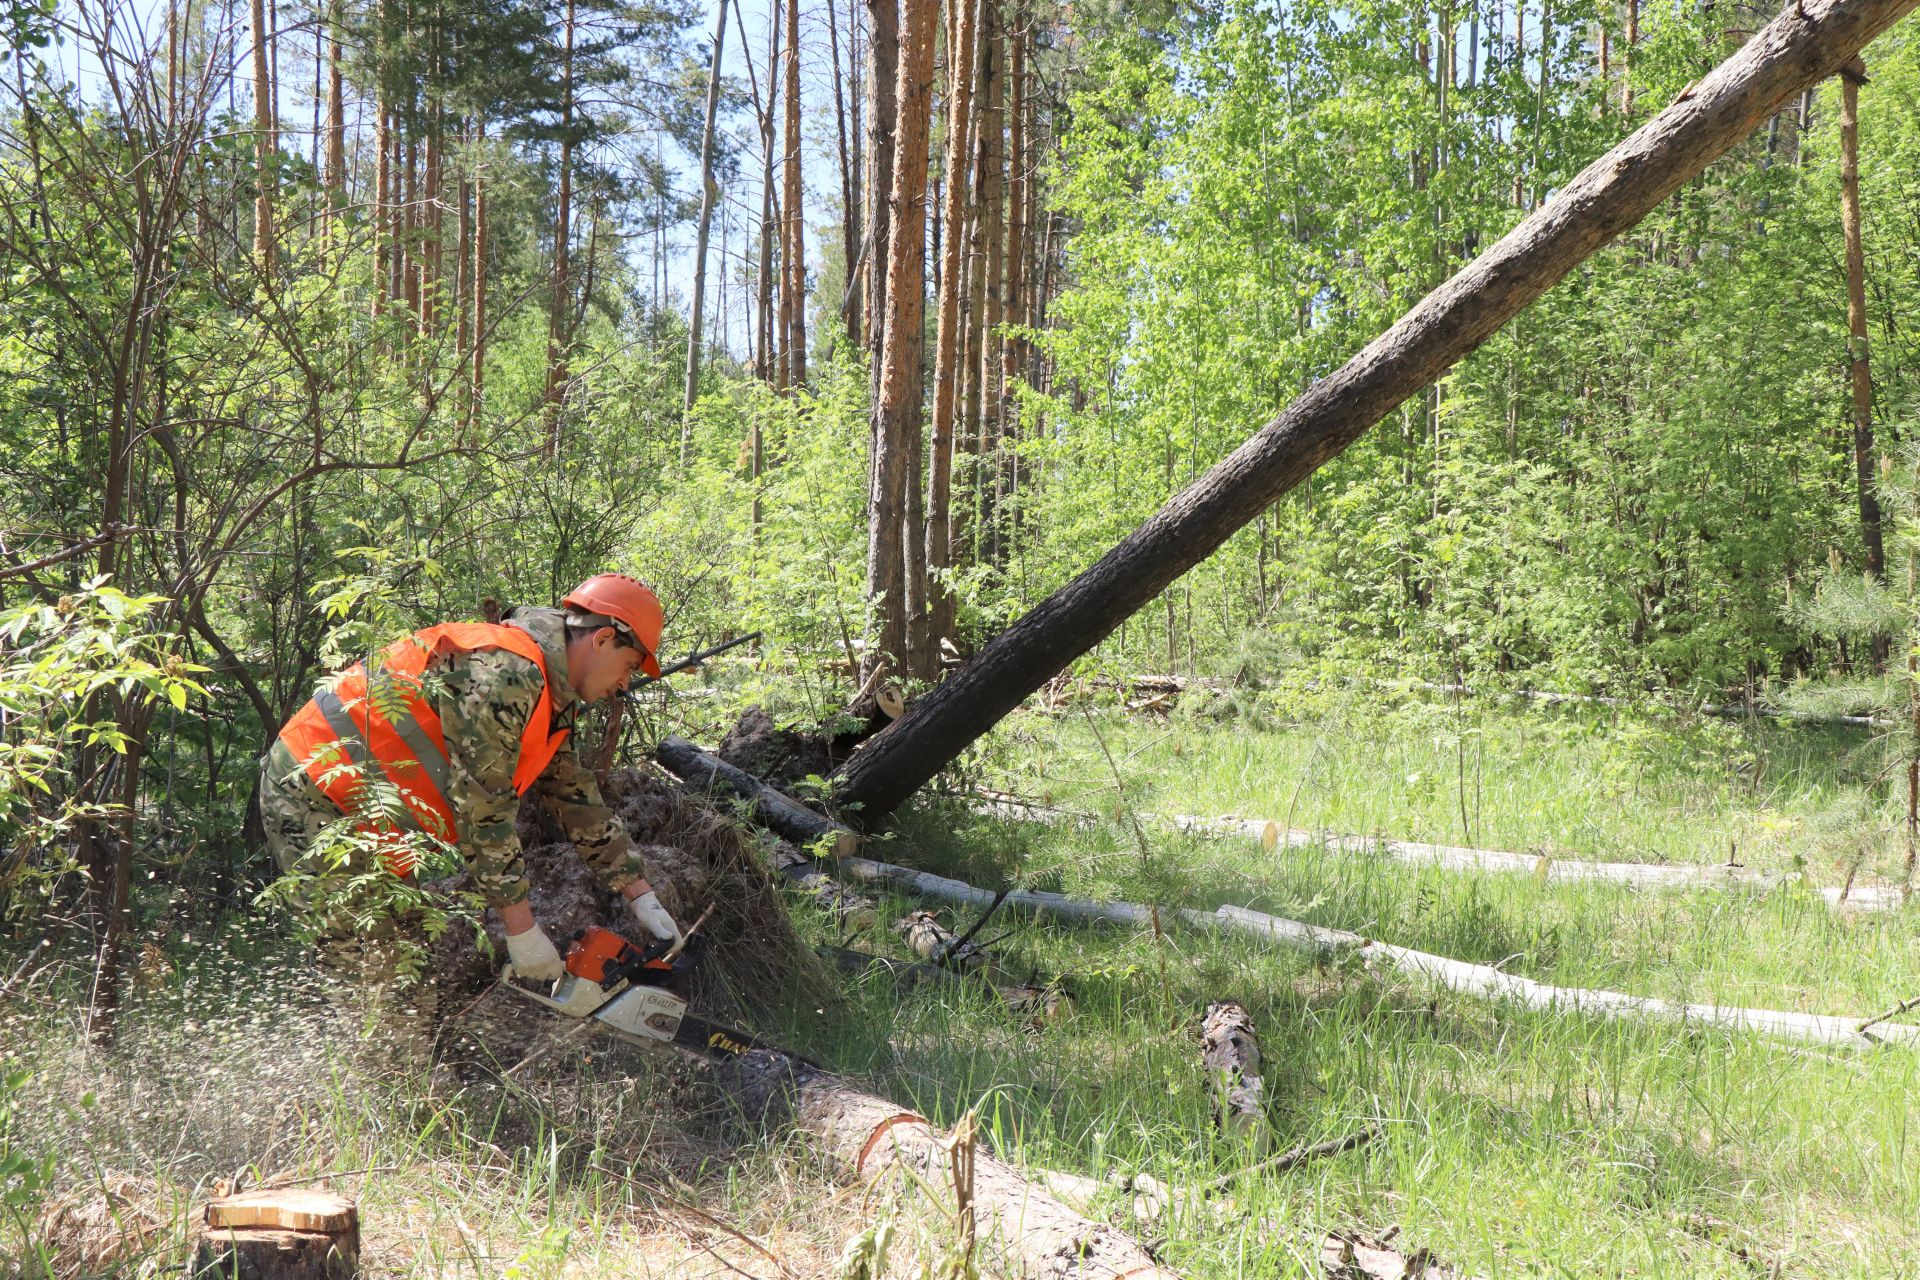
(283, 1234)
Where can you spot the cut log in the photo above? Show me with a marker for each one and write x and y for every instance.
(1016, 1221)
(1543, 867)
(1037, 1006)
(1641, 875)
(1804, 45)
(284, 1234)
(855, 912)
(288, 1208)
(932, 941)
(1455, 975)
(1230, 1053)
(778, 812)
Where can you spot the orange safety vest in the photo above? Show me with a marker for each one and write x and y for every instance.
(341, 727)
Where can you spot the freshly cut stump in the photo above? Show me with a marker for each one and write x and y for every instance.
(1017, 1221)
(285, 1234)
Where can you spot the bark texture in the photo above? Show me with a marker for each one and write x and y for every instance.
(773, 809)
(897, 410)
(1230, 1054)
(1859, 369)
(1016, 1221)
(1806, 43)
(1485, 981)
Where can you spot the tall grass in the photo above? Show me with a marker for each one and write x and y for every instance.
(1514, 1142)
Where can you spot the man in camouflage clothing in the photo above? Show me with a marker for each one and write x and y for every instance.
(504, 697)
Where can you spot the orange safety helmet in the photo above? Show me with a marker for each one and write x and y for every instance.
(631, 604)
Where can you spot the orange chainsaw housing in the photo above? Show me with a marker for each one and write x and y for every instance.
(599, 955)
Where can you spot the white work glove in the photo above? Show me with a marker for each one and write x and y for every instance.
(654, 918)
(533, 956)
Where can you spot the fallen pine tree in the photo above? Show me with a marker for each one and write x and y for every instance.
(1455, 975)
(1809, 41)
(1643, 875)
(1011, 1217)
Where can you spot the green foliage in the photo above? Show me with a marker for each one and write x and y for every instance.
(1608, 493)
(61, 661)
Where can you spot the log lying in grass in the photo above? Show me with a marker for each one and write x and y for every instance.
(1037, 1005)
(1643, 875)
(1455, 975)
(854, 911)
(780, 813)
(932, 941)
(1230, 1054)
(864, 1135)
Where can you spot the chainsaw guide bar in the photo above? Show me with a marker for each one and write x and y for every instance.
(622, 988)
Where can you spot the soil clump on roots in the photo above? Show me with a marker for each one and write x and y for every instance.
(697, 860)
(785, 756)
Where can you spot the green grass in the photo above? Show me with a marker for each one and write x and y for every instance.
(1515, 1142)
(1608, 785)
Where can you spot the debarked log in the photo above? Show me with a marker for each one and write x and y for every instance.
(1486, 981)
(1017, 1222)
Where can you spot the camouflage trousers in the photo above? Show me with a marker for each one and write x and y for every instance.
(366, 962)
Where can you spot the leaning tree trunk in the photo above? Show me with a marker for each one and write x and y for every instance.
(1806, 43)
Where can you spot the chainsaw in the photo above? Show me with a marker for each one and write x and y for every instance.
(624, 990)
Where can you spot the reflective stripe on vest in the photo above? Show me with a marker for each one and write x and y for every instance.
(341, 729)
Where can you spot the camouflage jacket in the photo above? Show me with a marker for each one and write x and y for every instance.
(486, 700)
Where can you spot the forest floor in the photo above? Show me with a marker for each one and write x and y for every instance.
(1513, 1142)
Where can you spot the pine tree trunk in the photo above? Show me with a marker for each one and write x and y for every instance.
(709, 196)
(849, 217)
(382, 181)
(1852, 76)
(794, 305)
(477, 402)
(462, 262)
(898, 410)
(1610, 196)
(865, 250)
(973, 305)
(336, 175)
(264, 143)
(410, 229)
(562, 235)
(1626, 59)
(1012, 306)
(433, 222)
(992, 152)
(953, 277)
(883, 57)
